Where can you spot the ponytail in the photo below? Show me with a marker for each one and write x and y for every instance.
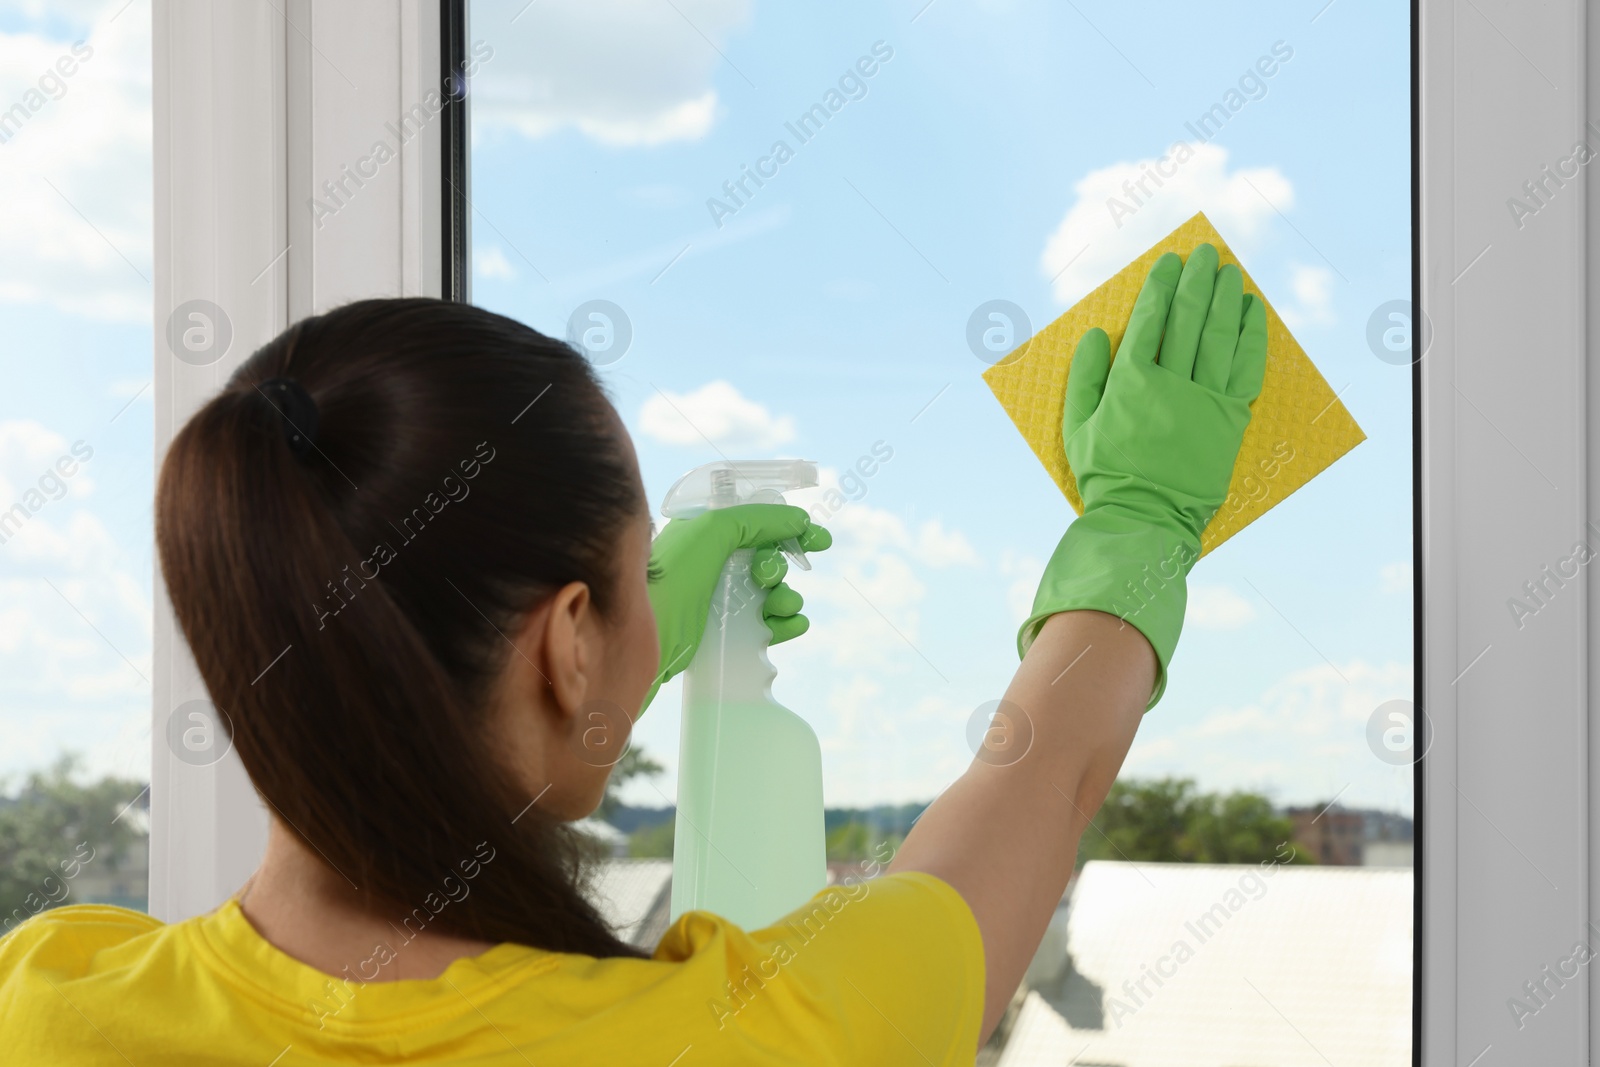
(343, 595)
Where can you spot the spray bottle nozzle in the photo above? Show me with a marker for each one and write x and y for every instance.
(752, 481)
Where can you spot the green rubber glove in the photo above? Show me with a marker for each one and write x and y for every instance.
(687, 558)
(1152, 439)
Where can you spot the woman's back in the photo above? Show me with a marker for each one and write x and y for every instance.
(895, 964)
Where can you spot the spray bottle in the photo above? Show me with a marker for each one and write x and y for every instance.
(749, 836)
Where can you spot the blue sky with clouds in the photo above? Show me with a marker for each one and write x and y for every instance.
(75, 271)
(826, 314)
(823, 314)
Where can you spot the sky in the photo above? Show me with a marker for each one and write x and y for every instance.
(824, 312)
(822, 315)
(75, 273)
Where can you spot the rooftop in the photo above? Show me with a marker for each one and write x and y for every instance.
(1194, 965)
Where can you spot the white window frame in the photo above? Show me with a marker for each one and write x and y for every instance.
(256, 104)
(259, 101)
(1507, 845)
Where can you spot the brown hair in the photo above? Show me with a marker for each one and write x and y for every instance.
(463, 466)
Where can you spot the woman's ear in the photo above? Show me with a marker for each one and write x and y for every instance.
(565, 647)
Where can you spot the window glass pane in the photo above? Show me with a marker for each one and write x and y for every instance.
(795, 216)
(75, 453)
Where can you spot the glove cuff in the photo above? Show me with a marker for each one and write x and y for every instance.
(1119, 564)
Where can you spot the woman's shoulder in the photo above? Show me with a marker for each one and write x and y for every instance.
(81, 923)
(69, 939)
(883, 960)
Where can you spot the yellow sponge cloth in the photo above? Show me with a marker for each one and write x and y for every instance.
(1297, 428)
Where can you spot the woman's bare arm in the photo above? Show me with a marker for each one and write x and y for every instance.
(1152, 440)
(1005, 836)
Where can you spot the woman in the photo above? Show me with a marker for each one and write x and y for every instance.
(411, 552)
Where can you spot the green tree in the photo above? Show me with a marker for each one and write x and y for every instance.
(855, 841)
(633, 764)
(1140, 821)
(653, 842)
(1168, 820)
(51, 829)
(1237, 828)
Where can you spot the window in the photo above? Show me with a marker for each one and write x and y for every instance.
(1500, 489)
(75, 459)
(777, 229)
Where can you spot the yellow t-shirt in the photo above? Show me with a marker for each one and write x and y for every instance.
(887, 971)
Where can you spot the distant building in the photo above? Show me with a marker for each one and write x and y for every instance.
(1341, 837)
(1331, 836)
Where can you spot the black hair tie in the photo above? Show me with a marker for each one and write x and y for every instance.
(298, 410)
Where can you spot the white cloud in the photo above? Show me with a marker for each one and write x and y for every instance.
(1216, 607)
(1092, 243)
(873, 531)
(1024, 572)
(874, 755)
(889, 702)
(873, 602)
(939, 547)
(855, 701)
(83, 12)
(75, 647)
(1395, 578)
(1314, 699)
(715, 412)
(688, 121)
(876, 530)
(492, 263)
(623, 72)
(871, 588)
(29, 454)
(1313, 293)
(75, 171)
(74, 601)
(1303, 740)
